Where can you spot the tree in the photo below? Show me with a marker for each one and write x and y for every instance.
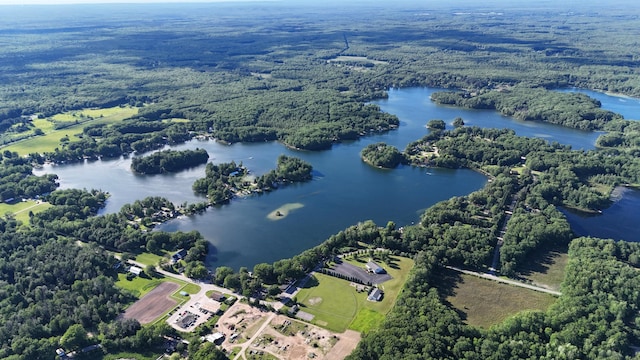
(436, 124)
(75, 337)
(458, 122)
(150, 270)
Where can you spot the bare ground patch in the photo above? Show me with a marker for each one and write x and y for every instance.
(154, 304)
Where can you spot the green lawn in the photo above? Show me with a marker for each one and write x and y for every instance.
(485, 303)
(546, 267)
(147, 355)
(148, 258)
(337, 306)
(21, 209)
(140, 286)
(51, 138)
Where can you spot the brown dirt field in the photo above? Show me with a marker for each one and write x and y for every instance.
(154, 304)
(348, 341)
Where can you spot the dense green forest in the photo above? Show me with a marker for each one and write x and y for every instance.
(169, 161)
(302, 75)
(382, 155)
(223, 181)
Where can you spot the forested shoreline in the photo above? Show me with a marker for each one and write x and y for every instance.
(276, 72)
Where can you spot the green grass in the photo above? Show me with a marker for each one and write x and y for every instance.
(51, 138)
(20, 210)
(484, 303)
(140, 286)
(148, 258)
(146, 355)
(337, 306)
(546, 267)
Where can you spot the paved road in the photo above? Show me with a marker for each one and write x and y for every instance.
(506, 281)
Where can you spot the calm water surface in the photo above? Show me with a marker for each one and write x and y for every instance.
(343, 191)
(619, 221)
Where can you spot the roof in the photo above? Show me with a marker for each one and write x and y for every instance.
(372, 266)
(375, 295)
(217, 297)
(135, 270)
(215, 337)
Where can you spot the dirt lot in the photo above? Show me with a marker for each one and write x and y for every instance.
(283, 337)
(154, 304)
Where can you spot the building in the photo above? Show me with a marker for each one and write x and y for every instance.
(375, 295)
(135, 270)
(216, 338)
(179, 255)
(374, 268)
(219, 297)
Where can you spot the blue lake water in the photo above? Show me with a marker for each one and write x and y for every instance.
(343, 191)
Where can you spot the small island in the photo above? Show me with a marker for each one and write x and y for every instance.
(169, 161)
(284, 210)
(224, 181)
(382, 155)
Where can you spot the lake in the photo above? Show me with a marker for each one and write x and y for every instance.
(618, 222)
(343, 191)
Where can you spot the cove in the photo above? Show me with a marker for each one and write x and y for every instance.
(343, 191)
(618, 222)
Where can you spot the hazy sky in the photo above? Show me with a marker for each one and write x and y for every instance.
(53, 2)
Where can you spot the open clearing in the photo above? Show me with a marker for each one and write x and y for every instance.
(153, 304)
(546, 268)
(485, 303)
(282, 337)
(338, 304)
(77, 121)
(21, 209)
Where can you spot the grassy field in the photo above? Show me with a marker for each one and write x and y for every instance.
(140, 286)
(547, 267)
(20, 210)
(148, 258)
(147, 355)
(337, 306)
(51, 138)
(485, 303)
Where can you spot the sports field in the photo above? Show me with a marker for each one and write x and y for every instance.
(337, 304)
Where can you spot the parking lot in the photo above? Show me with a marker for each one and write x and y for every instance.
(360, 273)
(197, 310)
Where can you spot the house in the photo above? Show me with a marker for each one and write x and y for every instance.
(374, 268)
(135, 270)
(375, 295)
(216, 338)
(179, 255)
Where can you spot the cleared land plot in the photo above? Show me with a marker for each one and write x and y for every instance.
(358, 272)
(153, 304)
(21, 209)
(546, 268)
(51, 138)
(485, 303)
(282, 337)
(337, 304)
